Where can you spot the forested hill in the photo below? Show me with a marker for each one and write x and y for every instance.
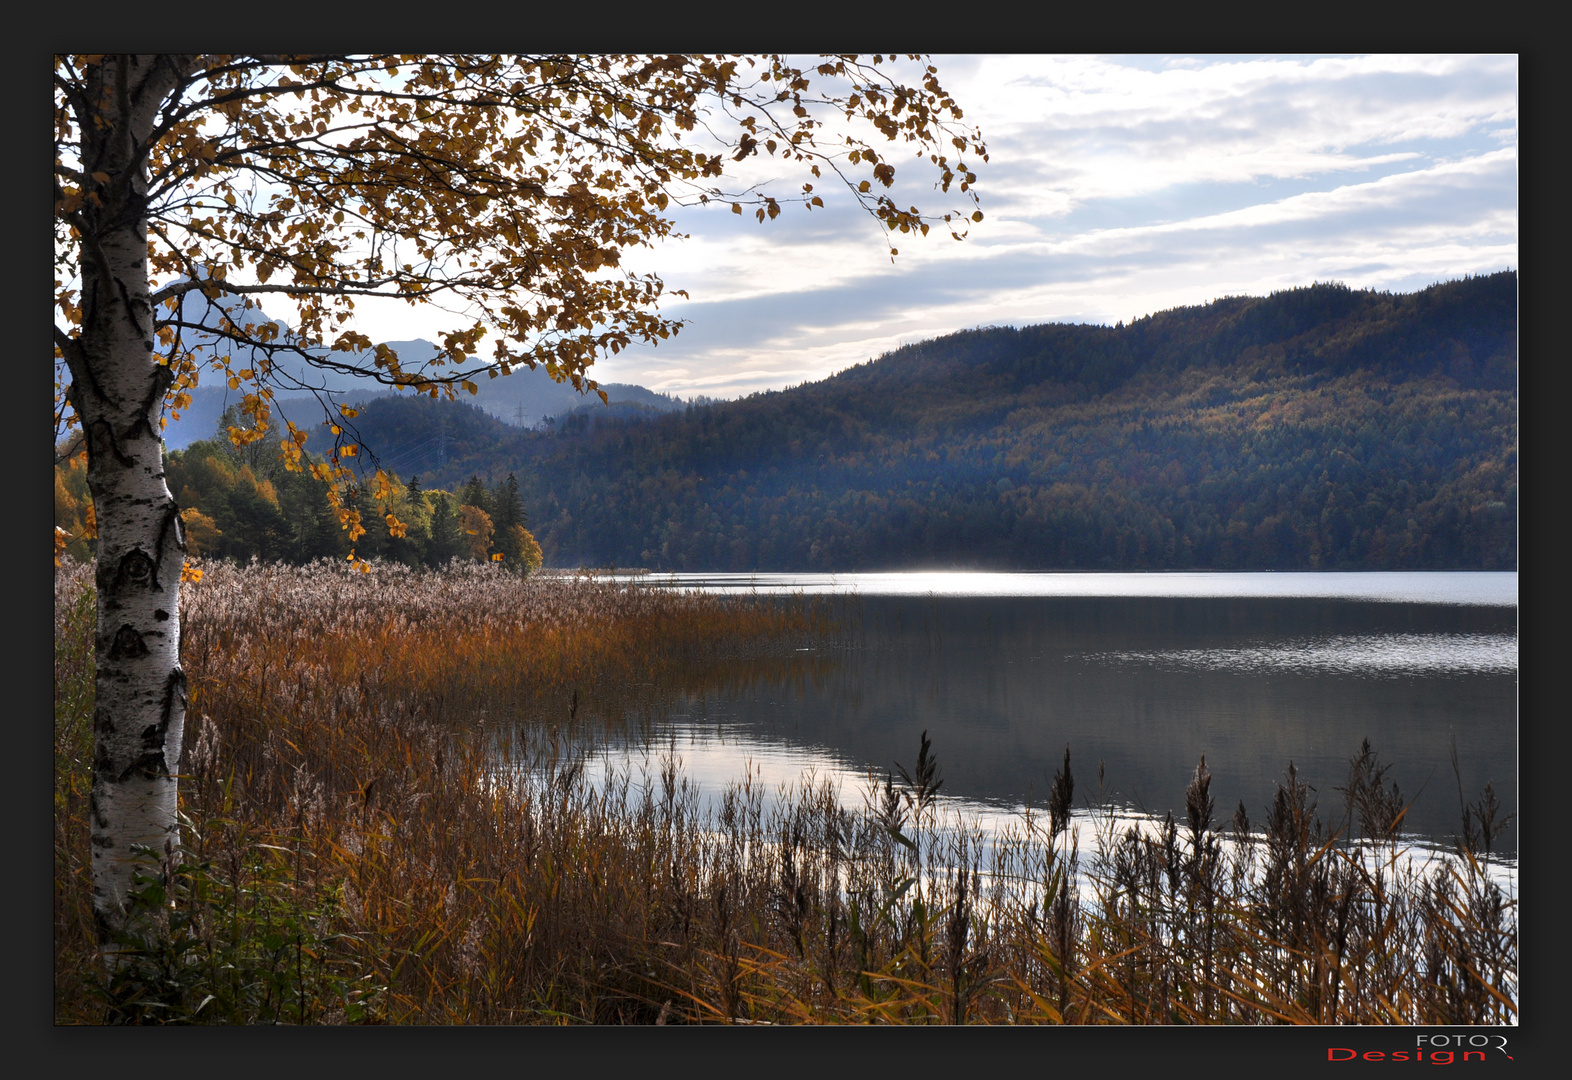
(1315, 428)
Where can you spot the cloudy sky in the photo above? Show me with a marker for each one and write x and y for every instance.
(1117, 186)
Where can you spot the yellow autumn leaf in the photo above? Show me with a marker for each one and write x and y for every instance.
(507, 183)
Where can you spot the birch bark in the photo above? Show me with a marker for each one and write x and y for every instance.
(117, 388)
(510, 185)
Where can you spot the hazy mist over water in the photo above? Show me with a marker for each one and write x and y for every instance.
(1489, 588)
(1141, 672)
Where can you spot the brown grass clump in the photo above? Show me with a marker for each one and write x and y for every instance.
(371, 836)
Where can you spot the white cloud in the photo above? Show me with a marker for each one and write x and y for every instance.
(1117, 186)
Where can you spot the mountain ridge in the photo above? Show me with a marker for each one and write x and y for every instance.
(1319, 427)
(525, 398)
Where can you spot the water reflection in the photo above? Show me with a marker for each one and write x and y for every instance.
(1376, 656)
(1487, 588)
(709, 760)
(1004, 671)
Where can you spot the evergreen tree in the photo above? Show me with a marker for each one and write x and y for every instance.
(508, 505)
(375, 541)
(314, 527)
(444, 532)
(474, 494)
(255, 524)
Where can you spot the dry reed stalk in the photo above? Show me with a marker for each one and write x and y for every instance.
(356, 730)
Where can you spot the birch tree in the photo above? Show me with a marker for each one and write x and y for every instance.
(509, 188)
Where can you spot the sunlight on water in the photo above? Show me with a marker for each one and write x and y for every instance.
(1381, 655)
(711, 761)
(1146, 670)
(1487, 588)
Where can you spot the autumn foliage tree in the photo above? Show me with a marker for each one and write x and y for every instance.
(506, 188)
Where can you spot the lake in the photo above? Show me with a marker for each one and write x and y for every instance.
(1138, 673)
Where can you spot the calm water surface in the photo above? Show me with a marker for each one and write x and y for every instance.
(1141, 673)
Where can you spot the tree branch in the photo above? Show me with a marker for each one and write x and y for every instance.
(70, 346)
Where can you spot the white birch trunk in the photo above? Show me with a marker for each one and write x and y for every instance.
(117, 390)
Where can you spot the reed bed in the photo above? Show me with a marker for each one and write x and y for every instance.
(372, 835)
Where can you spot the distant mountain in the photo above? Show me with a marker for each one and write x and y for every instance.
(1315, 428)
(525, 398)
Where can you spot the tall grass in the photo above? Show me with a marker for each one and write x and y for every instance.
(361, 846)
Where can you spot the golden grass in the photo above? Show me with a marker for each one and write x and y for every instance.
(364, 844)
